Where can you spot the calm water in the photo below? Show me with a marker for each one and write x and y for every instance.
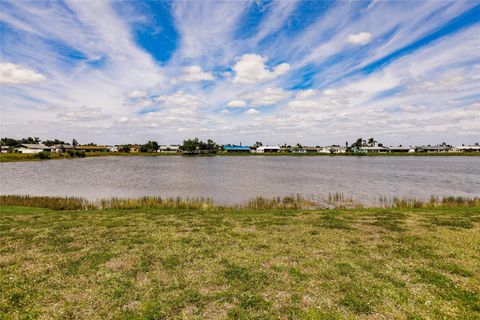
(237, 179)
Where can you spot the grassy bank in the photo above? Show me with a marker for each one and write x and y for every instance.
(17, 157)
(402, 263)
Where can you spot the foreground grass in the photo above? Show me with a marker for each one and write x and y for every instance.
(240, 264)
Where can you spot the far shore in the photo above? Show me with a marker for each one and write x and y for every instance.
(20, 157)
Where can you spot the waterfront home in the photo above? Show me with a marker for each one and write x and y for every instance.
(440, 148)
(311, 149)
(401, 149)
(94, 148)
(135, 148)
(236, 149)
(375, 149)
(472, 148)
(113, 149)
(61, 148)
(32, 148)
(173, 148)
(268, 149)
(304, 149)
(5, 149)
(332, 149)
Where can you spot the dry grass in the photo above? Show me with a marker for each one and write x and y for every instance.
(332, 201)
(240, 264)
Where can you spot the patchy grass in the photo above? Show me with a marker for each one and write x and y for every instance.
(240, 264)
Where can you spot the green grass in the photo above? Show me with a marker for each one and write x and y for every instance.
(401, 263)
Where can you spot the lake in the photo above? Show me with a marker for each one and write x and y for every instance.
(237, 179)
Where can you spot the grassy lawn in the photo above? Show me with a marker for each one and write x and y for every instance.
(217, 264)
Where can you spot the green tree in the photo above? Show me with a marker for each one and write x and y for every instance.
(359, 143)
(124, 148)
(371, 142)
(150, 146)
(197, 146)
(50, 143)
(9, 142)
(74, 143)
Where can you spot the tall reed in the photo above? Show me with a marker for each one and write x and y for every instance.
(336, 200)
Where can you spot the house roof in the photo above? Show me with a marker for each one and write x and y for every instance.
(34, 146)
(435, 147)
(64, 146)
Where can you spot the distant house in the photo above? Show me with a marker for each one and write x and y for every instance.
(61, 148)
(113, 149)
(473, 148)
(332, 149)
(173, 148)
(401, 149)
(237, 149)
(375, 149)
(304, 149)
(440, 148)
(268, 149)
(134, 148)
(5, 149)
(94, 148)
(310, 149)
(297, 150)
(32, 148)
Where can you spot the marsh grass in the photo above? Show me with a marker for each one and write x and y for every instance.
(332, 201)
(227, 263)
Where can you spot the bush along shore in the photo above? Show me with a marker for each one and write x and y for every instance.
(267, 259)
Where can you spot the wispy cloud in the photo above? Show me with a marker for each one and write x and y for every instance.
(278, 71)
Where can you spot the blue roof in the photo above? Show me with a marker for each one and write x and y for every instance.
(236, 148)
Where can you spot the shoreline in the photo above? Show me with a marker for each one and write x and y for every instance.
(22, 157)
(292, 202)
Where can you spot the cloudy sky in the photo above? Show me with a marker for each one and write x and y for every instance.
(316, 72)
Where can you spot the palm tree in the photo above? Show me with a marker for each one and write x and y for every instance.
(371, 142)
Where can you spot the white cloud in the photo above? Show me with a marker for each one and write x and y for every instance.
(330, 92)
(252, 111)
(305, 94)
(13, 74)
(361, 38)
(413, 109)
(136, 94)
(251, 68)
(82, 114)
(179, 104)
(237, 104)
(123, 119)
(266, 97)
(195, 73)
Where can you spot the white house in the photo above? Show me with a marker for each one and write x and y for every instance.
(376, 149)
(268, 149)
(59, 148)
(33, 148)
(473, 148)
(333, 149)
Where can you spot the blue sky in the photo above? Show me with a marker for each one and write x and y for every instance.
(316, 72)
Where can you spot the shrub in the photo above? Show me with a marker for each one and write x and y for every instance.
(44, 155)
(76, 153)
